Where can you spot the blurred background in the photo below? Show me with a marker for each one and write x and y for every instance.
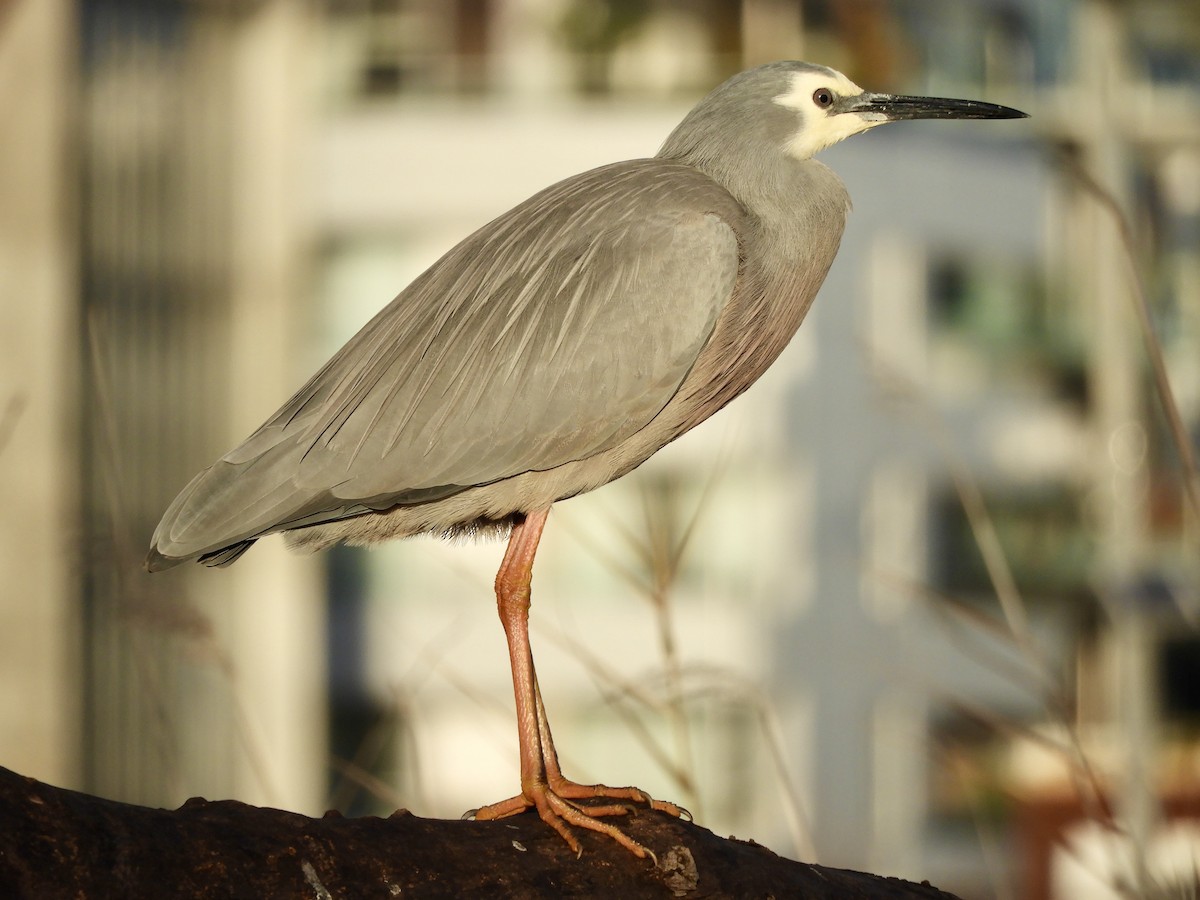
(923, 602)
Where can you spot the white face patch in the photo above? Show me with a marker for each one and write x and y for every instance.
(820, 127)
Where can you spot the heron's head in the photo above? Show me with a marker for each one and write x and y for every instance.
(792, 110)
(830, 108)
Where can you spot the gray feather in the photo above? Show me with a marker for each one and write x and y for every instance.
(550, 335)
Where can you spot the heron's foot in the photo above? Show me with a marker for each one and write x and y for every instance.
(572, 790)
(556, 809)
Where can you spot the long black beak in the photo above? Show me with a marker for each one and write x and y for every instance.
(894, 108)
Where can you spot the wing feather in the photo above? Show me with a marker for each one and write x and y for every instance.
(549, 335)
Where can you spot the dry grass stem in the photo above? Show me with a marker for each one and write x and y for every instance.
(1012, 605)
(356, 774)
(179, 620)
(990, 844)
(10, 417)
(625, 696)
(368, 752)
(1141, 306)
(952, 612)
(721, 684)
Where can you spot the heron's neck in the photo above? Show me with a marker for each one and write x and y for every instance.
(792, 195)
(800, 213)
(788, 240)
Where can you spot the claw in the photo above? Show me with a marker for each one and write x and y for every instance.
(672, 809)
(556, 810)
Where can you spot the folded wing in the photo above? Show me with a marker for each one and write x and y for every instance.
(551, 334)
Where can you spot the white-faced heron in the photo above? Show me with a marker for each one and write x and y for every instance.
(555, 349)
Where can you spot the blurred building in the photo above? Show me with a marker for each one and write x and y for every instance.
(903, 605)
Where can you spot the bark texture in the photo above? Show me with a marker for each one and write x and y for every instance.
(59, 843)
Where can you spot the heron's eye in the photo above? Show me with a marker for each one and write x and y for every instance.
(823, 97)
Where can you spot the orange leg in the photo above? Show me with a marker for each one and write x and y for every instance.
(542, 783)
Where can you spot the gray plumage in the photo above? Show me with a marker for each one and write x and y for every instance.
(556, 348)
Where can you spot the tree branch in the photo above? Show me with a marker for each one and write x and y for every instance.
(59, 843)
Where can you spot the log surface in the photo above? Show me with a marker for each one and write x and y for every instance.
(59, 843)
